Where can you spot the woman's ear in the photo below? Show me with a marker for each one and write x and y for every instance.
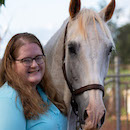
(107, 12)
(74, 7)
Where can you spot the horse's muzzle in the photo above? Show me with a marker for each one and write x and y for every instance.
(93, 122)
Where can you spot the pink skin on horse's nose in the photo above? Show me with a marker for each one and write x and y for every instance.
(93, 120)
(94, 114)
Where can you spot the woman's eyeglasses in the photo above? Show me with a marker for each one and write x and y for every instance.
(28, 61)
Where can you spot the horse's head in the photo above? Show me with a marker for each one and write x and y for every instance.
(88, 45)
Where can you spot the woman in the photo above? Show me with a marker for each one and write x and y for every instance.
(28, 100)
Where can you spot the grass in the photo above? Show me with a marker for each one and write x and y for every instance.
(123, 70)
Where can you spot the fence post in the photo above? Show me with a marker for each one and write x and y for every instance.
(126, 107)
(117, 85)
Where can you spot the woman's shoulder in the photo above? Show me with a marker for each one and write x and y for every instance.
(11, 109)
(7, 91)
(9, 94)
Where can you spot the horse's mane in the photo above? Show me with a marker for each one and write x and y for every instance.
(56, 41)
(54, 53)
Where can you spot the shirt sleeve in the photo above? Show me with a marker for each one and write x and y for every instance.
(11, 118)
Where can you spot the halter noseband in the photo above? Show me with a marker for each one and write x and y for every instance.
(80, 90)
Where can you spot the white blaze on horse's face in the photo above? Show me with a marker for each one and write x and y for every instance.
(88, 47)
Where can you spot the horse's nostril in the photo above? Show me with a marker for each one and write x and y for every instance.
(101, 121)
(103, 118)
(85, 114)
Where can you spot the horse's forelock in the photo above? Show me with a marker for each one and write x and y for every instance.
(87, 16)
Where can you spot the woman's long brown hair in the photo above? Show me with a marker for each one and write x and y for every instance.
(33, 105)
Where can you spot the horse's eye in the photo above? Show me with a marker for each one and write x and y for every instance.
(110, 50)
(72, 48)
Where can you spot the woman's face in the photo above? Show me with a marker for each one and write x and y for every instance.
(33, 73)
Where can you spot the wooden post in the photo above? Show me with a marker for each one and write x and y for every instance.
(117, 85)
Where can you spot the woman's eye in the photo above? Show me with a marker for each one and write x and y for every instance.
(27, 60)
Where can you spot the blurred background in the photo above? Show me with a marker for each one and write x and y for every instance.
(44, 17)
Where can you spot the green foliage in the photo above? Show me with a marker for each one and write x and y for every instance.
(123, 111)
(123, 43)
(123, 70)
(2, 2)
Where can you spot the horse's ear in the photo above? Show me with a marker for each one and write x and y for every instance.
(74, 7)
(107, 12)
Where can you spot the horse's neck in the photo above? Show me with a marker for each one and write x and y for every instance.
(54, 47)
(54, 54)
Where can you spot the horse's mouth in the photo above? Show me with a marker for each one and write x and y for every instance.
(89, 125)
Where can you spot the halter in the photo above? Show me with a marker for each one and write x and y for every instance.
(80, 90)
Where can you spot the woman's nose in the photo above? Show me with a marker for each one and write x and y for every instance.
(34, 63)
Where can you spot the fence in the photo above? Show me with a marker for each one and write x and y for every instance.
(116, 79)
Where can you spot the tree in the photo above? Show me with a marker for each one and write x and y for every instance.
(123, 42)
(2, 2)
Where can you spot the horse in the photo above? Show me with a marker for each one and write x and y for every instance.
(78, 58)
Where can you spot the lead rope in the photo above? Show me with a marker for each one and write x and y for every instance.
(78, 125)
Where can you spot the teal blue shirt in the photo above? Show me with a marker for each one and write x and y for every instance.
(12, 116)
